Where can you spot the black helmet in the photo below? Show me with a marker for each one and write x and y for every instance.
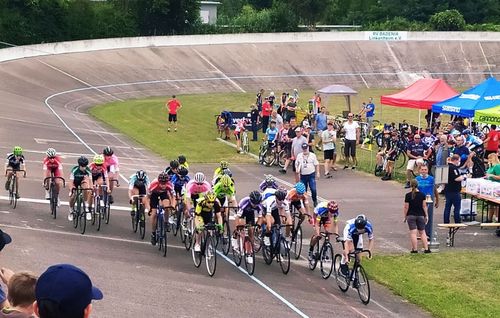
(83, 161)
(280, 194)
(163, 177)
(255, 197)
(174, 164)
(360, 222)
(107, 151)
(183, 171)
(182, 159)
(141, 175)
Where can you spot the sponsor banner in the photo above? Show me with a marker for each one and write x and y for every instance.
(490, 119)
(386, 35)
(239, 116)
(451, 109)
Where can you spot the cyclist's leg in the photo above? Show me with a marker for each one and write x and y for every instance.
(59, 183)
(87, 195)
(132, 192)
(316, 234)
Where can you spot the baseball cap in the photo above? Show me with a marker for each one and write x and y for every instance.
(305, 124)
(4, 239)
(298, 129)
(67, 286)
(305, 146)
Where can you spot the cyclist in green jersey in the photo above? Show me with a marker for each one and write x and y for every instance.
(225, 192)
(80, 176)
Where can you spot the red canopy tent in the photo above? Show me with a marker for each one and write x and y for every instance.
(420, 95)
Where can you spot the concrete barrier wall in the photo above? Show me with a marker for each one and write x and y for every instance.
(218, 39)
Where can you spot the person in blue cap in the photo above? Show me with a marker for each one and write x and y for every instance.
(64, 290)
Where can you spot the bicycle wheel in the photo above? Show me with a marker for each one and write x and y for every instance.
(237, 255)
(267, 254)
(249, 256)
(11, 192)
(257, 240)
(142, 222)
(135, 220)
(342, 154)
(226, 238)
(246, 143)
(14, 192)
(177, 220)
(182, 227)
(197, 255)
(401, 160)
(326, 260)
(316, 256)
(282, 158)
(268, 157)
(53, 200)
(97, 207)
(163, 230)
(362, 285)
(284, 256)
(189, 234)
(342, 281)
(76, 215)
(297, 243)
(83, 217)
(210, 255)
(98, 213)
(107, 210)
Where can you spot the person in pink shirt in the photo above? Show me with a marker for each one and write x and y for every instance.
(194, 188)
(173, 106)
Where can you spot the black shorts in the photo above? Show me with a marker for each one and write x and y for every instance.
(156, 197)
(276, 216)
(14, 166)
(416, 222)
(328, 154)
(296, 204)
(350, 148)
(249, 216)
(237, 135)
(172, 117)
(141, 187)
(287, 147)
(207, 217)
(222, 200)
(95, 177)
(293, 166)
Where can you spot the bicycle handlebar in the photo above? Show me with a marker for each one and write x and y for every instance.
(61, 178)
(82, 189)
(115, 181)
(356, 252)
(24, 171)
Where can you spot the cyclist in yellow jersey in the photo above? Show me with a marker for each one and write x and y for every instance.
(206, 206)
(219, 171)
(183, 161)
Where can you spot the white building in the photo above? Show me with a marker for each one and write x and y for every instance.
(208, 11)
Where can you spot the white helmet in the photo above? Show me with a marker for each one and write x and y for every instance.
(199, 177)
(271, 94)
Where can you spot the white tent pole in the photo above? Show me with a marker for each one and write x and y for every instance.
(419, 113)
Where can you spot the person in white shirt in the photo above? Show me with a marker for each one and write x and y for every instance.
(297, 143)
(307, 166)
(351, 129)
(328, 137)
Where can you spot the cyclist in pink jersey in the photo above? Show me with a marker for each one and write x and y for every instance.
(111, 162)
(194, 189)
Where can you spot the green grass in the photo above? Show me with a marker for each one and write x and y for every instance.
(452, 284)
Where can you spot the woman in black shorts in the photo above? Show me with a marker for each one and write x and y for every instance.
(415, 214)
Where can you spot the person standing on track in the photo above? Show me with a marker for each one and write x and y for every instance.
(329, 137)
(173, 106)
(352, 132)
(307, 166)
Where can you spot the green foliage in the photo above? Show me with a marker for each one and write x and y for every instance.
(398, 24)
(279, 18)
(483, 27)
(448, 20)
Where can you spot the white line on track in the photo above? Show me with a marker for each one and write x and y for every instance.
(41, 201)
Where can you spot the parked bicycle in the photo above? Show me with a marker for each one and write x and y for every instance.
(51, 184)
(271, 155)
(208, 248)
(245, 248)
(245, 142)
(14, 186)
(139, 216)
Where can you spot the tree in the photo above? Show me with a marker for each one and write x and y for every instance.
(448, 20)
(80, 20)
(309, 11)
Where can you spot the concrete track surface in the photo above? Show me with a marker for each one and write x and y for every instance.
(43, 103)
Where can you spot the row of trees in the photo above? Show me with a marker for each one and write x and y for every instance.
(37, 21)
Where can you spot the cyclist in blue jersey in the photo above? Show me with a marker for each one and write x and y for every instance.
(353, 236)
(179, 180)
(324, 214)
(472, 142)
(268, 182)
(272, 135)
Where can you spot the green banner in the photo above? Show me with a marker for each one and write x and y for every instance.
(488, 116)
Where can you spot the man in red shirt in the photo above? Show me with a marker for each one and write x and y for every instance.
(173, 106)
(267, 109)
(492, 141)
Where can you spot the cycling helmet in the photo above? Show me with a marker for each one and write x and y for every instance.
(163, 177)
(300, 187)
(140, 175)
(17, 151)
(280, 195)
(83, 162)
(98, 160)
(107, 151)
(182, 159)
(332, 206)
(210, 196)
(466, 132)
(225, 180)
(199, 177)
(270, 179)
(227, 172)
(51, 153)
(183, 171)
(224, 164)
(360, 222)
(255, 197)
(174, 164)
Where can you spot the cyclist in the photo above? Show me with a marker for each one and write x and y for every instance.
(275, 207)
(248, 208)
(183, 161)
(160, 192)
(80, 177)
(194, 190)
(268, 182)
(353, 236)
(240, 127)
(206, 206)
(220, 171)
(472, 142)
(52, 165)
(272, 135)
(173, 168)
(138, 185)
(99, 176)
(227, 117)
(111, 162)
(298, 198)
(325, 213)
(224, 189)
(14, 162)
(392, 149)
(180, 180)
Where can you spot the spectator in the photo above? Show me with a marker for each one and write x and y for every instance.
(271, 98)
(258, 99)
(317, 101)
(295, 95)
(369, 110)
(288, 143)
(415, 214)
(278, 119)
(307, 166)
(493, 174)
(21, 295)
(452, 190)
(227, 117)
(392, 152)
(320, 122)
(297, 143)
(173, 106)
(492, 141)
(417, 151)
(284, 98)
(254, 118)
(4, 240)
(427, 186)
(64, 290)
(329, 137)
(289, 110)
(266, 113)
(428, 139)
(309, 134)
(351, 129)
(464, 153)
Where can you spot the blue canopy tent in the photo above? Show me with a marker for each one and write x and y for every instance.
(483, 96)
